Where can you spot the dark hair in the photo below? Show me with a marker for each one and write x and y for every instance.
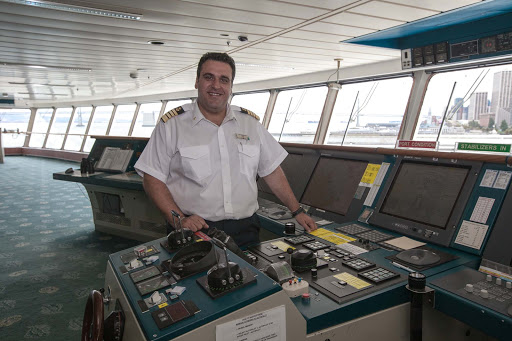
(219, 57)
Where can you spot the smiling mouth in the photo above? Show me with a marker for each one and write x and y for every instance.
(214, 94)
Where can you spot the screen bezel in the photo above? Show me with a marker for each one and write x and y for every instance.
(303, 200)
(310, 158)
(356, 206)
(419, 230)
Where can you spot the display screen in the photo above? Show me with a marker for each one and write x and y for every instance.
(177, 311)
(425, 193)
(144, 274)
(292, 167)
(333, 184)
(154, 284)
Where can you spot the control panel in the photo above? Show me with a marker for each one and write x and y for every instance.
(443, 52)
(486, 290)
(179, 283)
(340, 272)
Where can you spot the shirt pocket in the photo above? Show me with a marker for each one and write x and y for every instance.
(196, 162)
(249, 159)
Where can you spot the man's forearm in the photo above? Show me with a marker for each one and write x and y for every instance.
(281, 188)
(161, 196)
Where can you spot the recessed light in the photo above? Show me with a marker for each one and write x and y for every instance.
(156, 42)
(224, 35)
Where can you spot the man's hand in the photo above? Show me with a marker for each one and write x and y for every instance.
(194, 223)
(306, 221)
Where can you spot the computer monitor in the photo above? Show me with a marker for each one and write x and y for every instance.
(497, 254)
(426, 197)
(297, 167)
(333, 184)
(335, 191)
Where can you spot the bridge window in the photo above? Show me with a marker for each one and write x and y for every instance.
(122, 120)
(255, 102)
(369, 114)
(99, 124)
(77, 128)
(296, 114)
(41, 123)
(479, 110)
(146, 119)
(14, 121)
(173, 104)
(58, 128)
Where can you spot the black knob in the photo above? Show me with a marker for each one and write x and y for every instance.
(314, 273)
(289, 228)
(417, 281)
(289, 250)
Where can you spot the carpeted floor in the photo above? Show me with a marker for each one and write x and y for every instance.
(50, 255)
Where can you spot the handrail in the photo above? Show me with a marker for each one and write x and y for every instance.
(500, 159)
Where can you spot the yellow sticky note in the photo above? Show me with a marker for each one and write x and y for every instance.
(337, 238)
(370, 173)
(352, 280)
(320, 232)
(282, 245)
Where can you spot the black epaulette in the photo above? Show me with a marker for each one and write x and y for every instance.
(248, 112)
(171, 113)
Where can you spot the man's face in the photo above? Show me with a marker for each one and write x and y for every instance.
(214, 86)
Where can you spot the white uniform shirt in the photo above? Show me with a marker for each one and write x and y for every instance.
(211, 170)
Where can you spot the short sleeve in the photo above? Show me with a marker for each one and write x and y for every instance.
(272, 153)
(156, 158)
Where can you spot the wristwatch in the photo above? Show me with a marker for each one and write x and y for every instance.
(298, 211)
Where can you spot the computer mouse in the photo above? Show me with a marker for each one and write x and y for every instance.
(69, 170)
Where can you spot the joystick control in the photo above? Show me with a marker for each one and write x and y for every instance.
(302, 260)
(224, 276)
(180, 237)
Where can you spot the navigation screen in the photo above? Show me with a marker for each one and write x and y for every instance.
(425, 193)
(333, 184)
(292, 168)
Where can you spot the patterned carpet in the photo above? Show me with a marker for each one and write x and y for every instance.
(50, 255)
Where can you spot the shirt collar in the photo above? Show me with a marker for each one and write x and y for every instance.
(197, 115)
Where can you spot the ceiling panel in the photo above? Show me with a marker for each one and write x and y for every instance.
(393, 11)
(363, 21)
(285, 38)
(435, 5)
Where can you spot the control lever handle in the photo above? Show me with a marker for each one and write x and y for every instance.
(178, 226)
(221, 245)
(108, 297)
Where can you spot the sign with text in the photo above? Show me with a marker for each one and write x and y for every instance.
(262, 326)
(484, 147)
(417, 144)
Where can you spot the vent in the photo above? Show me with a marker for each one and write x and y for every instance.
(113, 219)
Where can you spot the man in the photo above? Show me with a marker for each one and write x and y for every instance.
(203, 158)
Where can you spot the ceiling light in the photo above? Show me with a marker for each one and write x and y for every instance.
(39, 84)
(266, 66)
(40, 94)
(66, 68)
(77, 9)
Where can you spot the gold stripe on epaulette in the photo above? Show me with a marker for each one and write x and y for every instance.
(250, 113)
(171, 113)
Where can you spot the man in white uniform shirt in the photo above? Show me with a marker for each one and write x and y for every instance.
(202, 160)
